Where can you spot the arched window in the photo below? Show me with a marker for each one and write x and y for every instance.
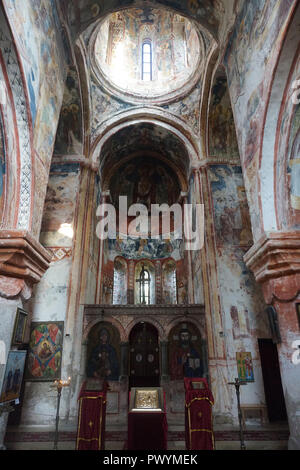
(144, 286)
(147, 61)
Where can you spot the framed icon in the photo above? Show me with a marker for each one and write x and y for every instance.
(20, 327)
(45, 351)
(13, 376)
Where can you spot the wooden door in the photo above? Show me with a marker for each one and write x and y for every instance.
(144, 356)
(272, 380)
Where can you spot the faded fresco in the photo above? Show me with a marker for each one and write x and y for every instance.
(2, 168)
(83, 13)
(36, 28)
(103, 352)
(138, 248)
(120, 282)
(145, 182)
(241, 298)
(69, 132)
(231, 212)
(144, 137)
(60, 205)
(169, 282)
(222, 133)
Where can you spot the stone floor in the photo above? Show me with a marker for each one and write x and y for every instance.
(257, 437)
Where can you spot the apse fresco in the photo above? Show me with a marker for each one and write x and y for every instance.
(145, 182)
(185, 354)
(138, 248)
(103, 352)
(142, 137)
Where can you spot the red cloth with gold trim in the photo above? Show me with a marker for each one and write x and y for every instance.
(147, 430)
(91, 419)
(198, 415)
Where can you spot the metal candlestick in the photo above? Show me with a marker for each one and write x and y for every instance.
(59, 384)
(237, 385)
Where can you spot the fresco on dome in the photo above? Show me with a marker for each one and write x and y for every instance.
(69, 131)
(231, 212)
(83, 12)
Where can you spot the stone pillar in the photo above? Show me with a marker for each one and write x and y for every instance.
(158, 282)
(275, 261)
(131, 282)
(124, 360)
(23, 261)
(164, 361)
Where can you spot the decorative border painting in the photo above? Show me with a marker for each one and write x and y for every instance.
(20, 327)
(45, 351)
(13, 376)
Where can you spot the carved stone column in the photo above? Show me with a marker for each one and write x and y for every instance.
(275, 262)
(124, 360)
(158, 282)
(23, 261)
(164, 361)
(131, 282)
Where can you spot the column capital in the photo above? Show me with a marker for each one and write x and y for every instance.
(275, 262)
(22, 257)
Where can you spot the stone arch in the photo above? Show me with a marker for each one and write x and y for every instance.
(17, 127)
(183, 319)
(270, 180)
(113, 321)
(150, 115)
(146, 319)
(87, 13)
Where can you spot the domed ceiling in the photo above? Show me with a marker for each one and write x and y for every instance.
(147, 53)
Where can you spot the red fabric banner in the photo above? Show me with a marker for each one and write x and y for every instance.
(198, 415)
(147, 430)
(91, 420)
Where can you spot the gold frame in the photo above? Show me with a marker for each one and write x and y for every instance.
(20, 312)
(141, 392)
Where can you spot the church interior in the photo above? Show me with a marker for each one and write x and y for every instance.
(186, 103)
